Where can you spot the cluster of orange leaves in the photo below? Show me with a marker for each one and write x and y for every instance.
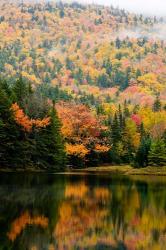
(101, 148)
(27, 123)
(25, 219)
(76, 149)
(78, 121)
(80, 127)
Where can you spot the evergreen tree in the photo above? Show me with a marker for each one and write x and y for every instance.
(6, 88)
(157, 154)
(121, 119)
(42, 147)
(157, 104)
(50, 153)
(119, 79)
(115, 130)
(116, 136)
(164, 137)
(118, 43)
(21, 92)
(126, 110)
(69, 64)
(141, 159)
(9, 134)
(108, 66)
(61, 13)
(138, 73)
(127, 78)
(103, 81)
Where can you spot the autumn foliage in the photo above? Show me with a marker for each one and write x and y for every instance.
(24, 220)
(82, 129)
(108, 83)
(25, 122)
(27, 139)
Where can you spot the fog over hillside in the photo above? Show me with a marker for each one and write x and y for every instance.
(147, 7)
(150, 7)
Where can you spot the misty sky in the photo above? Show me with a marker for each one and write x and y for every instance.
(154, 7)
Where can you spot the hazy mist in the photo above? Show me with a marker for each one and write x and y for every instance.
(150, 7)
(147, 7)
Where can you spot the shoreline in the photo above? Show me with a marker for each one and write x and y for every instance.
(126, 170)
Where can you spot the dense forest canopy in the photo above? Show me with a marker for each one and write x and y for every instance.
(87, 79)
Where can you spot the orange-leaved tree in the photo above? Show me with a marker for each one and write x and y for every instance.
(25, 122)
(82, 130)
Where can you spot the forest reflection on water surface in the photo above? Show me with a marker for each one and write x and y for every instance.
(39, 211)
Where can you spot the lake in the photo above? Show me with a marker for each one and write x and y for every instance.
(82, 212)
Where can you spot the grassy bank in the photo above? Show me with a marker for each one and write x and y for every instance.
(126, 170)
(122, 169)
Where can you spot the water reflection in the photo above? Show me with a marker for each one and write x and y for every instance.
(82, 212)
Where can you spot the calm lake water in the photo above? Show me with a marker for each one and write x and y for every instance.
(85, 212)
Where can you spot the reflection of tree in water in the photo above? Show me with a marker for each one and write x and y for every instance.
(115, 216)
(23, 221)
(69, 213)
(28, 210)
(84, 211)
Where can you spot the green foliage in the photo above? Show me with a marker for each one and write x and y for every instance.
(120, 151)
(118, 43)
(157, 154)
(9, 135)
(103, 81)
(157, 104)
(78, 63)
(141, 159)
(21, 92)
(53, 93)
(61, 13)
(39, 148)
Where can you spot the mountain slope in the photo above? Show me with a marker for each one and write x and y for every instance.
(92, 50)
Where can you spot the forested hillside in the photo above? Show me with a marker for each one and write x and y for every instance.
(88, 77)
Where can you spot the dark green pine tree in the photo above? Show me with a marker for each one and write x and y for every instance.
(157, 104)
(108, 66)
(118, 43)
(126, 109)
(79, 75)
(9, 134)
(121, 118)
(57, 140)
(115, 139)
(5, 86)
(138, 73)
(61, 13)
(141, 159)
(115, 130)
(21, 92)
(50, 152)
(164, 137)
(103, 81)
(15, 146)
(127, 77)
(157, 154)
